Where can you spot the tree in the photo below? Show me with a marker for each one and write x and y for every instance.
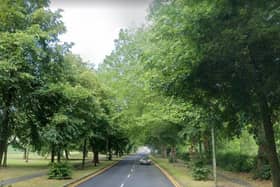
(225, 50)
(28, 43)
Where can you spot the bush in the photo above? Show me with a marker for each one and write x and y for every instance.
(263, 173)
(235, 162)
(60, 170)
(184, 156)
(199, 171)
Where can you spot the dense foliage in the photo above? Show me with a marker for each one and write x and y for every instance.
(50, 101)
(199, 65)
(196, 66)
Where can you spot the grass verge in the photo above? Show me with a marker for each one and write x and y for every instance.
(182, 174)
(77, 173)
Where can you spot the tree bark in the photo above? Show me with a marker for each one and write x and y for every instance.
(4, 129)
(52, 154)
(173, 153)
(200, 148)
(163, 151)
(110, 156)
(66, 154)
(24, 154)
(206, 145)
(270, 144)
(214, 156)
(58, 154)
(96, 157)
(84, 153)
(261, 157)
(27, 155)
(5, 156)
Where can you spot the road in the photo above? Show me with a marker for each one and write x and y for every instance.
(129, 173)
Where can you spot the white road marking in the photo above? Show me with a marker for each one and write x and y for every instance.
(122, 185)
(128, 175)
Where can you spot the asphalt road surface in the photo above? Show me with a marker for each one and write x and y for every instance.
(129, 173)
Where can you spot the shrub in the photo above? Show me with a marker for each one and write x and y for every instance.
(236, 162)
(60, 170)
(199, 171)
(184, 156)
(263, 173)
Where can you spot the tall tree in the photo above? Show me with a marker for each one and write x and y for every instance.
(28, 44)
(226, 50)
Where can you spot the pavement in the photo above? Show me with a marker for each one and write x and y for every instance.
(129, 173)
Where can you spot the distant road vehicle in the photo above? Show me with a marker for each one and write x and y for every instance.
(145, 161)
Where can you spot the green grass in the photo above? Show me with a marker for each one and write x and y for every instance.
(182, 174)
(77, 173)
(18, 167)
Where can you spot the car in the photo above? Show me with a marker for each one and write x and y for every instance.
(145, 161)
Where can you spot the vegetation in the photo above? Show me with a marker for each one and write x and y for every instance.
(197, 67)
(200, 172)
(60, 170)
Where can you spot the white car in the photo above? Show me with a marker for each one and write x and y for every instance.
(145, 161)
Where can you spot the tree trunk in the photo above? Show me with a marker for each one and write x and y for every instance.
(58, 154)
(261, 157)
(4, 130)
(270, 144)
(27, 155)
(120, 153)
(206, 145)
(92, 149)
(84, 153)
(107, 148)
(117, 152)
(5, 156)
(1, 151)
(214, 156)
(200, 148)
(163, 151)
(110, 150)
(271, 153)
(24, 154)
(173, 154)
(66, 154)
(110, 155)
(52, 154)
(96, 157)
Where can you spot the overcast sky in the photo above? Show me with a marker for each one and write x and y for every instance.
(93, 25)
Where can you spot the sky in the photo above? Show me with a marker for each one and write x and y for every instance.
(93, 25)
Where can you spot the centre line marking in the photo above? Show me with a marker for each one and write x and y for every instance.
(128, 175)
(122, 185)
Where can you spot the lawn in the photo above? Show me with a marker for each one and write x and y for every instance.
(17, 167)
(183, 175)
(77, 173)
